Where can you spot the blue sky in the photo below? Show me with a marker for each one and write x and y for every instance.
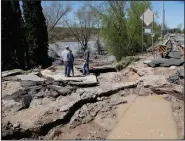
(174, 11)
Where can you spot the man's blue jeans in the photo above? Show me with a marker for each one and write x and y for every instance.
(85, 68)
(67, 68)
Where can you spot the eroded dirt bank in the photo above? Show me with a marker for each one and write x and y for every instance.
(138, 99)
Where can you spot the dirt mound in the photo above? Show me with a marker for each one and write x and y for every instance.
(111, 77)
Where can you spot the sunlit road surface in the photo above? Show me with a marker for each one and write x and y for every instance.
(180, 39)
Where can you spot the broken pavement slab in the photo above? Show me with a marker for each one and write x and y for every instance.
(59, 76)
(164, 62)
(100, 69)
(42, 118)
(31, 77)
(174, 54)
(10, 87)
(11, 72)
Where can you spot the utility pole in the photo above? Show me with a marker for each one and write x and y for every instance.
(162, 26)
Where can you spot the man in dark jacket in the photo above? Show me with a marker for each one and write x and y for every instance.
(85, 66)
(71, 61)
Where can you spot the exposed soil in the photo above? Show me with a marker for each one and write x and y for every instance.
(136, 103)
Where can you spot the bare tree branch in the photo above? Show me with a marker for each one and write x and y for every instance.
(85, 23)
(54, 13)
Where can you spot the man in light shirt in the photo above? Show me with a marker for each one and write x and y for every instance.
(66, 59)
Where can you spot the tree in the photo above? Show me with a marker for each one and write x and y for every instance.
(8, 34)
(54, 12)
(36, 33)
(122, 26)
(179, 27)
(20, 39)
(113, 26)
(85, 22)
(134, 25)
(115, 29)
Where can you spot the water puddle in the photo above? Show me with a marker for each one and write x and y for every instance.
(147, 117)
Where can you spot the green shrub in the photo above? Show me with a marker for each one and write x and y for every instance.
(125, 62)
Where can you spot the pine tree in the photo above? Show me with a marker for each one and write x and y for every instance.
(36, 33)
(20, 39)
(8, 33)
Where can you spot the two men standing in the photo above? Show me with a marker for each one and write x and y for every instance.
(68, 59)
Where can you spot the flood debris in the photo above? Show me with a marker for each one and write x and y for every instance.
(45, 109)
(175, 78)
(58, 111)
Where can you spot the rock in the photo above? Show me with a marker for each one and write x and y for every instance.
(10, 78)
(172, 67)
(74, 122)
(27, 84)
(175, 78)
(16, 96)
(54, 94)
(61, 90)
(144, 91)
(87, 119)
(122, 93)
(94, 112)
(154, 81)
(181, 73)
(33, 73)
(99, 99)
(65, 108)
(146, 61)
(17, 125)
(26, 101)
(30, 77)
(9, 88)
(8, 126)
(39, 95)
(11, 72)
(117, 102)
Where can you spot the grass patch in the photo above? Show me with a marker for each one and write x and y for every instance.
(125, 62)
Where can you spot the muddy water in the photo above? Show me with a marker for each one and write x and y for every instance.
(145, 118)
